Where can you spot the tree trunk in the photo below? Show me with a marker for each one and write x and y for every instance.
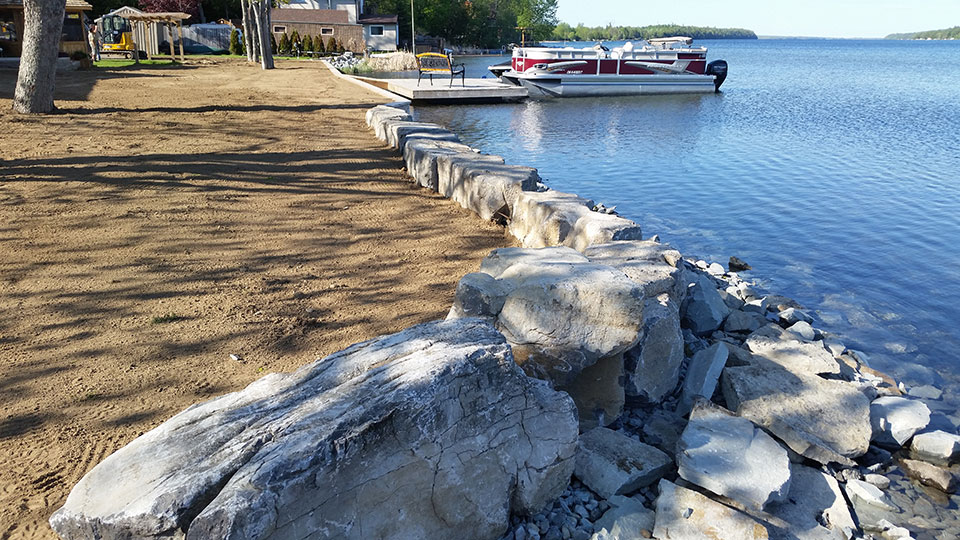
(42, 25)
(262, 10)
(248, 40)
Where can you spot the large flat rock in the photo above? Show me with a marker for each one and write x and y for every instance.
(814, 509)
(684, 514)
(895, 419)
(652, 264)
(792, 352)
(433, 432)
(611, 463)
(824, 420)
(729, 456)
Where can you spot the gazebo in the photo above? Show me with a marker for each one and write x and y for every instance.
(166, 18)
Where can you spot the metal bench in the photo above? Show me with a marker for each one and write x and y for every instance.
(430, 63)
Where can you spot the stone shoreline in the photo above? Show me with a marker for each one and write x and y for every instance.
(466, 428)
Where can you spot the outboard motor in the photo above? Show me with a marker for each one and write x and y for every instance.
(717, 68)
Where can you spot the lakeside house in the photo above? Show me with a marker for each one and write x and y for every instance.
(343, 20)
(74, 36)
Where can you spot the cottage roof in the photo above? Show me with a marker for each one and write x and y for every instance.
(378, 19)
(73, 4)
(320, 16)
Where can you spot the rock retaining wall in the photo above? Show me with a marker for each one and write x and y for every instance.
(444, 431)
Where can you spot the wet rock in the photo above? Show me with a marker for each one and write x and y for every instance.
(702, 375)
(703, 310)
(824, 420)
(434, 423)
(652, 367)
(814, 509)
(930, 475)
(791, 352)
(735, 264)
(610, 463)
(925, 391)
(731, 457)
(684, 514)
(896, 419)
(938, 447)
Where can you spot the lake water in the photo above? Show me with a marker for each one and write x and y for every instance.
(831, 166)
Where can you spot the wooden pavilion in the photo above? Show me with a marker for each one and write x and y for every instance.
(168, 19)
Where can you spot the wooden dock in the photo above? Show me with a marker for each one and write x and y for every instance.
(472, 91)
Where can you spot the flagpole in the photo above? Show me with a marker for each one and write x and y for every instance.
(413, 33)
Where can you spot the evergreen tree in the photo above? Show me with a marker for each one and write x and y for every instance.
(236, 46)
(294, 37)
(331, 45)
(307, 43)
(318, 45)
(273, 43)
(284, 45)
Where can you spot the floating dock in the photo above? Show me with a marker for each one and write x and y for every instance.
(471, 91)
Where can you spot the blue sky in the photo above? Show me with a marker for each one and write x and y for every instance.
(823, 18)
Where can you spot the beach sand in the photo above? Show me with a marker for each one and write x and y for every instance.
(170, 217)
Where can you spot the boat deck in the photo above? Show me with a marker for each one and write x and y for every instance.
(472, 90)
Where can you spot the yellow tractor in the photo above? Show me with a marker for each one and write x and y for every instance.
(116, 36)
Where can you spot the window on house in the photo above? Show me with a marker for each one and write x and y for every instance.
(376, 30)
(279, 29)
(72, 28)
(326, 31)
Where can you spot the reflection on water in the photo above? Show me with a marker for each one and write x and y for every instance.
(832, 174)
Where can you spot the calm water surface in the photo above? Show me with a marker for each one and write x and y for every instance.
(831, 166)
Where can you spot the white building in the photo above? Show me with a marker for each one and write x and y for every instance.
(380, 33)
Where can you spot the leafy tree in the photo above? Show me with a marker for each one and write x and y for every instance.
(537, 17)
(284, 46)
(236, 46)
(307, 43)
(156, 6)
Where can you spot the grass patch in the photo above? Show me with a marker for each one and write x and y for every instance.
(168, 318)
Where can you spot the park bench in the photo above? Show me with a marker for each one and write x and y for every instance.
(430, 63)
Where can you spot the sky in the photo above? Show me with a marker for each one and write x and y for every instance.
(820, 18)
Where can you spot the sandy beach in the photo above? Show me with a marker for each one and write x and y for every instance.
(175, 233)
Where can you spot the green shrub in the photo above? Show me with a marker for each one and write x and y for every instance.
(294, 37)
(318, 45)
(273, 44)
(236, 45)
(284, 46)
(331, 45)
(307, 43)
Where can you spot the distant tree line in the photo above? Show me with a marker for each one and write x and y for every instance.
(947, 33)
(565, 32)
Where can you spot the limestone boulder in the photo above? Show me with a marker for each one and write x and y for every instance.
(563, 317)
(703, 309)
(895, 419)
(450, 167)
(824, 420)
(703, 374)
(433, 432)
(743, 322)
(553, 218)
(420, 156)
(792, 352)
(652, 368)
(729, 456)
(684, 514)
(489, 189)
(814, 508)
(381, 113)
(398, 131)
(611, 463)
(653, 265)
(627, 519)
(499, 260)
(478, 295)
(938, 447)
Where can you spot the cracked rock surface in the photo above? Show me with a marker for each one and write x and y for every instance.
(433, 432)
